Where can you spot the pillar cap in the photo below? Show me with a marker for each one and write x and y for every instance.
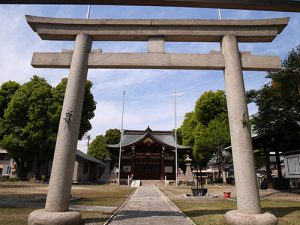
(188, 159)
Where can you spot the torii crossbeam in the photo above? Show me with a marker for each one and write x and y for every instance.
(271, 5)
(156, 33)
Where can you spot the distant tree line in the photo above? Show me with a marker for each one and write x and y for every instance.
(98, 147)
(29, 119)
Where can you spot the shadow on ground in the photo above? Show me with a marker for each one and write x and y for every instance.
(127, 214)
(93, 220)
(281, 211)
(278, 211)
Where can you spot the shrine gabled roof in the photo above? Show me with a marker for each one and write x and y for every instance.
(132, 137)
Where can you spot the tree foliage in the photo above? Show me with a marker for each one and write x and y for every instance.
(98, 149)
(201, 152)
(25, 127)
(206, 129)
(112, 136)
(89, 106)
(7, 90)
(30, 121)
(278, 101)
(187, 129)
(179, 136)
(209, 105)
(217, 138)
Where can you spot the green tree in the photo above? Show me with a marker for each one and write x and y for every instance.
(30, 122)
(201, 152)
(209, 105)
(179, 136)
(278, 104)
(187, 129)
(89, 106)
(27, 132)
(98, 148)
(112, 136)
(278, 101)
(206, 130)
(7, 90)
(217, 138)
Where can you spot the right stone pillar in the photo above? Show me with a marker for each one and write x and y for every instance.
(248, 201)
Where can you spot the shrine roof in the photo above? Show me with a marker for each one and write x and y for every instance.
(88, 158)
(132, 137)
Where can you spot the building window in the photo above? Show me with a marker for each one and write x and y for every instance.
(85, 168)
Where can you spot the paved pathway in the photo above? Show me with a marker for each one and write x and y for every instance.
(149, 206)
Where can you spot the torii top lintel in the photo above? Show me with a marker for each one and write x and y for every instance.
(171, 30)
(271, 5)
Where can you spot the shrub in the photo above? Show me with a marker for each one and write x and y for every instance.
(14, 179)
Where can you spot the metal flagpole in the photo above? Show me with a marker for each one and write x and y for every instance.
(121, 136)
(220, 14)
(175, 135)
(175, 125)
(88, 12)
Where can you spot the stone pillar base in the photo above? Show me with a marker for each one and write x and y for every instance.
(234, 217)
(41, 217)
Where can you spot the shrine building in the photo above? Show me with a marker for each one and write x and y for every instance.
(148, 154)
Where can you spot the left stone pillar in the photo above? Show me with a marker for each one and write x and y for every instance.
(57, 203)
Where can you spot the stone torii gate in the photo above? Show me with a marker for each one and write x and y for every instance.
(228, 32)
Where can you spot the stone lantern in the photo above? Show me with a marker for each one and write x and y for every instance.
(188, 174)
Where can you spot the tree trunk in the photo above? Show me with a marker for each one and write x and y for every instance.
(278, 164)
(219, 172)
(224, 176)
(35, 165)
(201, 182)
(20, 170)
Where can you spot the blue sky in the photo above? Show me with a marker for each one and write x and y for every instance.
(148, 92)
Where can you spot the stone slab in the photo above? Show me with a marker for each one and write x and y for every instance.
(262, 30)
